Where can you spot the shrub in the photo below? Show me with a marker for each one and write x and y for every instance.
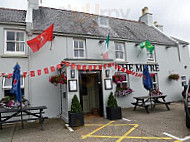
(75, 105)
(112, 102)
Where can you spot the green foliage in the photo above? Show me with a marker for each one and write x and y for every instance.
(75, 105)
(112, 102)
(173, 76)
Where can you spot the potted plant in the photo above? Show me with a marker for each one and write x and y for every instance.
(60, 78)
(76, 116)
(113, 110)
(173, 76)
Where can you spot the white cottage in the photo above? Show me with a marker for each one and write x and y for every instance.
(79, 38)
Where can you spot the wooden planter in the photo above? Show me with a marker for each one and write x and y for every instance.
(113, 113)
(76, 119)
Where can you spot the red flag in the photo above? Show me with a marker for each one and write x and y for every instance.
(39, 72)
(119, 67)
(72, 66)
(113, 64)
(59, 66)
(128, 72)
(78, 67)
(46, 71)
(9, 75)
(36, 43)
(32, 73)
(67, 64)
(24, 74)
(105, 65)
(63, 63)
(109, 65)
(90, 67)
(3, 74)
(116, 66)
(100, 67)
(133, 73)
(122, 69)
(95, 67)
(84, 67)
(52, 68)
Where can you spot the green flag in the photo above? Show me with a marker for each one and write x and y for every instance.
(107, 41)
(148, 46)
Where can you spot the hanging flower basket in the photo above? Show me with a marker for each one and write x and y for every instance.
(10, 102)
(173, 76)
(123, 91)
(118, 78)
(155, 92)
(56, 79)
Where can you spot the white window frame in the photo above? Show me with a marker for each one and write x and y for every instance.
(84, 48)
(10, 86)
(106, 21)
(123, 51)
(149, 58)
(156, 81)
(5, 43)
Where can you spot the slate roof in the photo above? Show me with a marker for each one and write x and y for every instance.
(79, 23)
(12, 15)
(181, 41)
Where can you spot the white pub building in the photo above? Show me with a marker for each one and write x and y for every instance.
(79, 39)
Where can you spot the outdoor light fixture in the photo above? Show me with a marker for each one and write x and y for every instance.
(72, 73)
(101, 41)
(107, 73)
(136, 44)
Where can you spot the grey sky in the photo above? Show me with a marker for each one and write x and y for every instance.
(174, 15)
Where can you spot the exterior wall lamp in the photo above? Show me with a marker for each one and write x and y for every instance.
(72, 73)
(107, 73)
(101, 41)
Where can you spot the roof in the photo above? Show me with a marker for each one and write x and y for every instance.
(181, 41)
(79, 23)
(12, 15)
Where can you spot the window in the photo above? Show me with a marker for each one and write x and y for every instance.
(154, 80)
(103, 21)
(119, 51)
(79, 48)
(151, 57)
(14, 42)
(7, 84)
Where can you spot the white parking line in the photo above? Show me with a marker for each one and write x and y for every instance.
(126, 119)
(174, 137)
(69, 128)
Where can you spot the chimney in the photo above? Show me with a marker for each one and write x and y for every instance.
(160, 27)
(146, 17)
(32, 4)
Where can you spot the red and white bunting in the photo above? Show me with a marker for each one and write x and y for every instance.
(79, 67)
(9, 75)
(32, 73)
(59, 66)
(24, 74)
(52, 68)
(39, 72)
(46, 71)
(73, 66)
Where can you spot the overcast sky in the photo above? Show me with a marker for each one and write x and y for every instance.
(174, 15)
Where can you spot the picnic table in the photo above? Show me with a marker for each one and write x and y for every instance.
(145, 101)
(35, 112)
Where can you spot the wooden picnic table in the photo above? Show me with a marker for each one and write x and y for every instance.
(35, 112)
(145, 101)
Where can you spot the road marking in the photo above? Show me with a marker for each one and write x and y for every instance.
(69, 128)
(126, 119)
(178, 139)
(132, 129)
(125, 136)
(83, 137)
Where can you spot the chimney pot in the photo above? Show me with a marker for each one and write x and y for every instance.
(144, 10)
(156, 24)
